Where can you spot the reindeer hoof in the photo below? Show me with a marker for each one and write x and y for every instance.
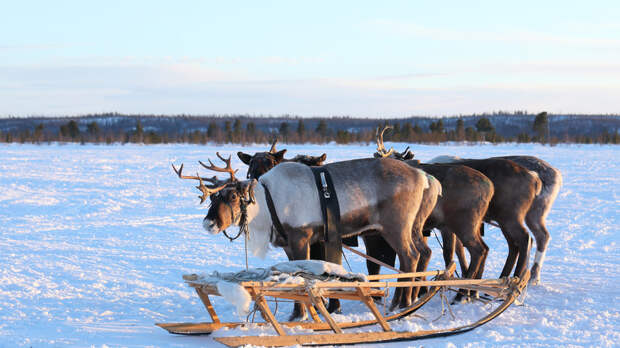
(299, 314)
(461, 299)
(334, 309)
(298, 317)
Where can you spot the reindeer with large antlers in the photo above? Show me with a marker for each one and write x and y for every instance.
(378, 195)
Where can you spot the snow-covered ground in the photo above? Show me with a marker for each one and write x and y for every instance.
(94, 240)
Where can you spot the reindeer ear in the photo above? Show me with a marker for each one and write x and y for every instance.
(244, 157)
(279, 155)
(408, 155)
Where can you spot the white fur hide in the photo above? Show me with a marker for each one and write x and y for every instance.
(236, 295)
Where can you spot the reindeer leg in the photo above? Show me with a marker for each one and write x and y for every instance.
(333, 254)
(408, 258)
(451, 244)
(460, 253)
(318, 252)
(536, 222)
(524, 245)
(518, 246)
(477, 252)
(483, 260)
(425, 256)
(299, 249)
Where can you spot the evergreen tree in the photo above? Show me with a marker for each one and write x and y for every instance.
(284, 131)
(228, 131)
(93, 128)
(301, 130)
(541, 126)
(436, 127)
(139, 132)
(38, 133)
(70, 129)
(460, 130)
(406, 132)
(237, 131)
(250, 130)
(212, 130)
(321, 128)
(484, 125)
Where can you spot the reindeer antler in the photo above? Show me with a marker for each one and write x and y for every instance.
(273, 146)
(228, 168)
(206, 190)
(381, 151)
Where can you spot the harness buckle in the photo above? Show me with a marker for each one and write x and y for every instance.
(326, 193)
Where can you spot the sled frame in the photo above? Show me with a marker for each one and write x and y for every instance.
(311, 296)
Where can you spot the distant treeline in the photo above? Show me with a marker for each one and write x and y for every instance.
(152, 129)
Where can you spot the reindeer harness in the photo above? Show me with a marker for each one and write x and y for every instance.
(330, 210)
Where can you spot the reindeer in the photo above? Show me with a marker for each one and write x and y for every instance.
(466, 194)
(379, 195)
(261, 162)
(429, 200)
(535, 217)
(515, 190)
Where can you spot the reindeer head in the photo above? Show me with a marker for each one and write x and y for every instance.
(229, 198)
(382, 152)
(262, 162)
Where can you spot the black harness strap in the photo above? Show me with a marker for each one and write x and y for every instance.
(277, 225)
(331, 245)
(332, 229)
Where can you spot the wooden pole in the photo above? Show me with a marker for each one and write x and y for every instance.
(318, 303)
(371, 259)
(205, 300)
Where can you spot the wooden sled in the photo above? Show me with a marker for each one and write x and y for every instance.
(507, 289)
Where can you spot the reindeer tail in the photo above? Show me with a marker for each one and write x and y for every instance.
(537, 181)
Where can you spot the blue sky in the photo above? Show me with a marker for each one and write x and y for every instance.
(396, 58)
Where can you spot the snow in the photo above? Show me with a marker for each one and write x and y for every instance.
(94, 241)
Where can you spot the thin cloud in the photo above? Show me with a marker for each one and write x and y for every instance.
(200, 89)
(33, 47)
(411, 29)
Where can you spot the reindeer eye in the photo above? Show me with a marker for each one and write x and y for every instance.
(233, 196)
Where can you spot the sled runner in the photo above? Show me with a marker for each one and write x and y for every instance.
(312, 292)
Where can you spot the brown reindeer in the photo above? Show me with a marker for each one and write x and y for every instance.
(515, 190)
(551, 179)
(261, 162)
(379, 195)
(466, 194)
